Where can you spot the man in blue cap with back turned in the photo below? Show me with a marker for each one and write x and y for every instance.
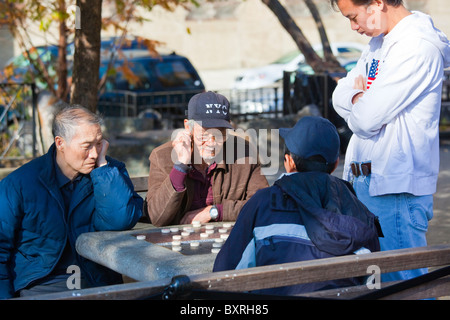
(307, 214)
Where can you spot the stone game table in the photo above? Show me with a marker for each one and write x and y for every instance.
(151, 253)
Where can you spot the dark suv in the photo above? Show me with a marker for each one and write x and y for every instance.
(143, 85)
(138, 85)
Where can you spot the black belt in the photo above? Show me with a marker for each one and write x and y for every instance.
(363, 168)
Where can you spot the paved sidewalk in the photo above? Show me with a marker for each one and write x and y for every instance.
(439, 227)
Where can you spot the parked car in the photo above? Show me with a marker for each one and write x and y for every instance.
(264, 99)
(137, 83)
(269, 74)
(347, 64)
(19, 69)
(141, 83)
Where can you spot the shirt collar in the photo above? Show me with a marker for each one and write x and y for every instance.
(61, 179)
(210, 168)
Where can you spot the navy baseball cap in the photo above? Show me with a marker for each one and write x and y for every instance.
(312, 136)
(211, 109)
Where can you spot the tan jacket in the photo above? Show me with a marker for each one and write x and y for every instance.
(233, 184)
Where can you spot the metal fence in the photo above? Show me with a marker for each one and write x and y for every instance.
(316, 90)
(18, 103)
(255, 103)
(287, 97)
(167, 106)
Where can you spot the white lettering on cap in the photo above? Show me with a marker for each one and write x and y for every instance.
(218, 107)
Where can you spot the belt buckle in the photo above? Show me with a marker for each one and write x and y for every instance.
(355, 169)
(366, 168)
(361, 168)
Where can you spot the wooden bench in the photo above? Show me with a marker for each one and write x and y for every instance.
(296, 273)
(140, 184)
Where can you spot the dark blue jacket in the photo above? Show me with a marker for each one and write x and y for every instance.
(33, 230)
(303, 216)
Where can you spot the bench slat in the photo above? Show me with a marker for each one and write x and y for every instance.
(286, 274)
(322, 269)
(140, 183)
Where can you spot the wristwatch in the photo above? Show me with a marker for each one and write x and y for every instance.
(214, 213)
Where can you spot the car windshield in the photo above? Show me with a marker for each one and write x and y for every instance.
(174, 74)
(149, 74)
(46, 54)
(287, 57)
(342, 51)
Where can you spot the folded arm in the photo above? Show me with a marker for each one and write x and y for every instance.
(403, 77)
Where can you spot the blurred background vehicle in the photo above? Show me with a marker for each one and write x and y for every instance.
(136, 80)
(19, 69)
(347, 54)
(147, 86)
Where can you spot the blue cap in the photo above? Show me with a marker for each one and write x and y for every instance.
(211, 109)
(312, 136)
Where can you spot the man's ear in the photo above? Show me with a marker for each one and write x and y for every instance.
(289, 164)
(378, 4)
(60, 143)
(335, 165)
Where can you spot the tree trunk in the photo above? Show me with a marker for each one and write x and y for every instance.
(327, 52)
(87, 55)
(311, 57)
(62, 60)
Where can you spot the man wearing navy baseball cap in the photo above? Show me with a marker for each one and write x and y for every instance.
(195, 177)
(307, 214)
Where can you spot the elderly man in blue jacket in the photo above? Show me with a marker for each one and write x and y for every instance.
(47, 203)
(307, 214)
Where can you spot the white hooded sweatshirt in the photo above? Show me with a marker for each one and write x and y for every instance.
(395, 124)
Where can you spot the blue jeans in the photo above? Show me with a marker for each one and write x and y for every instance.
(404, 221)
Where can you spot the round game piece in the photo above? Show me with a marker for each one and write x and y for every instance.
(217, 245)
(188, 229)
(215, 250)
(196, 224)
(176, 248)
(176, 243)
(209, 231)
(165, 230)
(224, 236)
(209, 227)
(174, 229)
(185, 234)
(219, 240)
(176, 237)
(227, 225)
(195, 244)
(204, 235)
(223, 230)
(140, 237)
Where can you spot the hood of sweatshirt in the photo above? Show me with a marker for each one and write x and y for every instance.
(336, 222)
(421, 26)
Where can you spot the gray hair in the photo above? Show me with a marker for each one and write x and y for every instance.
(69, 118)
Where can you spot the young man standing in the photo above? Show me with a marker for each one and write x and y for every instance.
(391, 101)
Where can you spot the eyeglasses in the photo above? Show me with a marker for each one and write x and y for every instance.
(211, 135)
